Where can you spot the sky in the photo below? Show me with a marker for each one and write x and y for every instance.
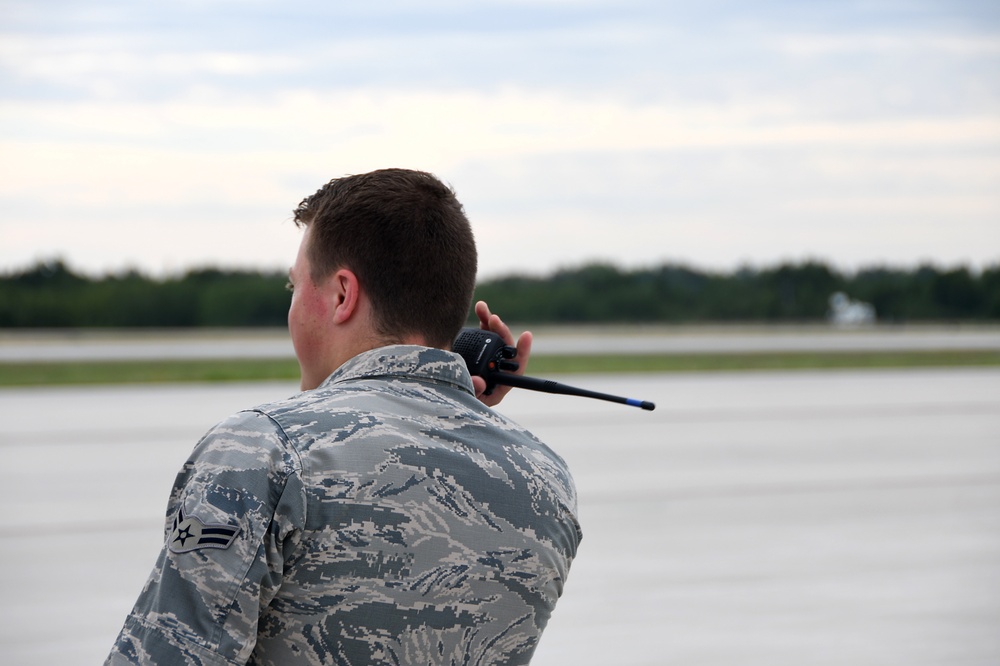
(716, 134)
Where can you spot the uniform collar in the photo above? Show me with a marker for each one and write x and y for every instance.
(405, 361)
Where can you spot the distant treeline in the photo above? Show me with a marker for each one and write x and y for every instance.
(50, 295)
(785, 293)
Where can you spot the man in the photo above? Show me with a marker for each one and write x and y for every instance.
(384, 515)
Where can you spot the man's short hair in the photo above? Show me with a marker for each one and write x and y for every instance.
(406, 237)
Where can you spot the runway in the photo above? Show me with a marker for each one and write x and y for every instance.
(843, 517)
(129, 345)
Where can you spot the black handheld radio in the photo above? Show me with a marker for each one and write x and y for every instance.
(487, 356)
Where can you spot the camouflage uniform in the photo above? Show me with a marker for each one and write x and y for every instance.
(386, 517)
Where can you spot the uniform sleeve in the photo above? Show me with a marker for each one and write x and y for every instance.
(235, 514)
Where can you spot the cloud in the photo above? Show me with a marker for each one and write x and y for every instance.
(580, 176)
(455, 124)
(819, 44)
(637, 130)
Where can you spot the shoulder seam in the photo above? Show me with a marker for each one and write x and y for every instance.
(285, 438)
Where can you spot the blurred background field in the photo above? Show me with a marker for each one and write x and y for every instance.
(82, 356)
(58, 326)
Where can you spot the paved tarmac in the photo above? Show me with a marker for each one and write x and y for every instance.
(23, 346)
(842, 517)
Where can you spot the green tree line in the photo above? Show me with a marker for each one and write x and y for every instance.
(784, 293)
(51, 295)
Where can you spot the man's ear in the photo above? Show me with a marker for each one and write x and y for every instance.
(346, 293)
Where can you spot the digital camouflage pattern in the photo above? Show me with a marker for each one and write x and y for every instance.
(386, 517)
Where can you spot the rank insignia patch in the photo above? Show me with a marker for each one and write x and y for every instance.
(191, 534)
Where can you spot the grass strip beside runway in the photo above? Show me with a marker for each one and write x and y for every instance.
(230, 370)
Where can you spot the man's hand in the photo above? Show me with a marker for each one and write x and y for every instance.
(493, 323)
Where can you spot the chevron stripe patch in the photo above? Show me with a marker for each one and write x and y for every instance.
(189, 533)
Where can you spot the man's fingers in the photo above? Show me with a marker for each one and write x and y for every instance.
(493, 323)
(523, 351)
